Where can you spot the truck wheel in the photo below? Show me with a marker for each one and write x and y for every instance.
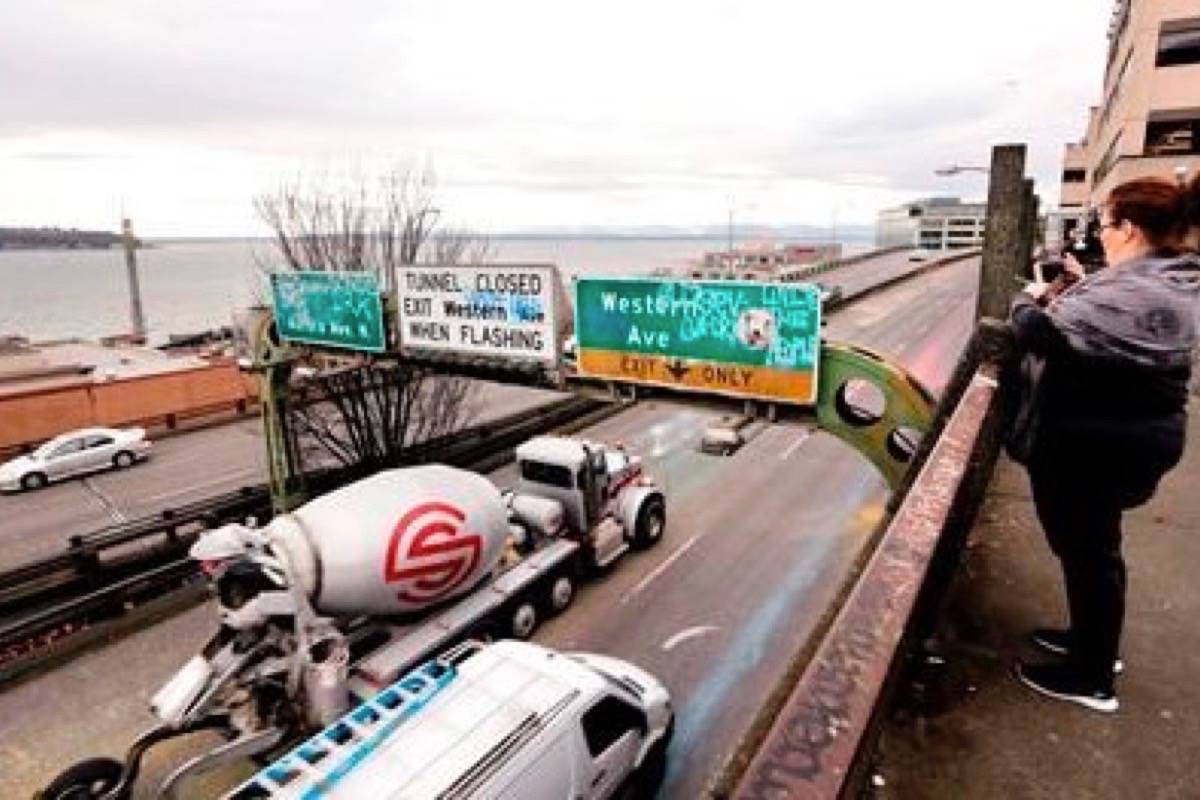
(34, 480)
(523, 621)
(558, 594)
(651, 520)
(92, 777)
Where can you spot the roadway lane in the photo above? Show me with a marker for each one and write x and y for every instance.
(183, 468)
(758, 546)
(755, 550)
(857, 277)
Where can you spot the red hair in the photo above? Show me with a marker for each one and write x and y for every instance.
(1166, 212)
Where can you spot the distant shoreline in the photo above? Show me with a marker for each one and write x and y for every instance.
(739, 236)
(24, 239)
(68, 248)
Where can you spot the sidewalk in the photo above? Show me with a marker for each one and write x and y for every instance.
(981, 735)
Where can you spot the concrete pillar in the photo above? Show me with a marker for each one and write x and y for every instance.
(1004, 247)
(1028, 227)
(1037, 235)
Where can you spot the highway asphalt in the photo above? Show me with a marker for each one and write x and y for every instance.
(854, 278)
(756, 548)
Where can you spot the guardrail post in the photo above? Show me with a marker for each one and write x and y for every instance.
(85, 560)
(1005, 248)
(1032, 203)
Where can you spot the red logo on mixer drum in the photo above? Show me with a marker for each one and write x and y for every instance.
(431, 554)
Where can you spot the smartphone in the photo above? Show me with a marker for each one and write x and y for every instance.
(1052, 268)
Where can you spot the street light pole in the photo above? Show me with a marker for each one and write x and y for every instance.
(729, 250)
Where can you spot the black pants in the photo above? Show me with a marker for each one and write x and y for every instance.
(1081, 486)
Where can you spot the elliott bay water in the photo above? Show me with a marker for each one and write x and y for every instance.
(191, 286)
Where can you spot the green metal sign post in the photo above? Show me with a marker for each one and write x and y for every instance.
(334, 309)
(738, 338)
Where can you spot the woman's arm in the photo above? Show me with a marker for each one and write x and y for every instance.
(1035, 332)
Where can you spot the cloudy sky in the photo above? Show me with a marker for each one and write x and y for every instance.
(532, 114)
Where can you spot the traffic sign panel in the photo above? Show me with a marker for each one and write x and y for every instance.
(495, 310)
(741, 338)
(336, 309)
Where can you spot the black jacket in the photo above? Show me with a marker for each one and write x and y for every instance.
(1100, 404)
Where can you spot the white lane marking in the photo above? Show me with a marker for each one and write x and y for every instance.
(801, 439)
(659, 570)
(231, 477)
(688, 633)
(109, 504)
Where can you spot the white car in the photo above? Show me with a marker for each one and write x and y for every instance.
(75, 453)
(505, 721)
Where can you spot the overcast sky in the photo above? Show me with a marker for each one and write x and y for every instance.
(532, 114)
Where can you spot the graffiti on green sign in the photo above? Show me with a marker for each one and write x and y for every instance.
(757, 324)
(328, 308)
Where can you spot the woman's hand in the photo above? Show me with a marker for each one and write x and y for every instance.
(1072, 267)
(1037, 290)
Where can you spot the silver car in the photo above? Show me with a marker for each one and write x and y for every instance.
(75, 453)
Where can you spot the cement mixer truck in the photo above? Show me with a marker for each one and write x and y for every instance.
(330, 603)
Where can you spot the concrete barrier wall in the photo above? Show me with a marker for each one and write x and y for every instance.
(27, 418)
(38, 415)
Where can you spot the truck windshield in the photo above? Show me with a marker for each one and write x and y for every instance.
(549, 474)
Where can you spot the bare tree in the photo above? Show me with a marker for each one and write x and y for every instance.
(359, 410)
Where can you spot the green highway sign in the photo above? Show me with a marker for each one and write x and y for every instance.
(335, 309)
(741, 338)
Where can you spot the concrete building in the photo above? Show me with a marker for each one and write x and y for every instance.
(935, 223)
(1148, 121)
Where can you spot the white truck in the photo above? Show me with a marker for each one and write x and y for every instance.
(509, 721)
(330, 603)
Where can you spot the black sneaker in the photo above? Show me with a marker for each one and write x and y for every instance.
(1058, 642)
(1057, 681)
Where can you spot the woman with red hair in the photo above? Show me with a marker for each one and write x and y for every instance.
(1114, 352)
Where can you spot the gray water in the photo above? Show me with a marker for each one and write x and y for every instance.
(191, 286)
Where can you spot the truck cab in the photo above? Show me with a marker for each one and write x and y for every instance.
(604, 492)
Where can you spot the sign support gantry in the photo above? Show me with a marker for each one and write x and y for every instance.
(743, 334)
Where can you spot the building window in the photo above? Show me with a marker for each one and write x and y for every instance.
(1181, 45)
(1173, 137)
(1074, 175)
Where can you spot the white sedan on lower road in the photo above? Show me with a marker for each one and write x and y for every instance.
(75, 453)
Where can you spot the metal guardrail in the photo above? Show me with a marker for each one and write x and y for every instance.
(78, 585)
(81, 566)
